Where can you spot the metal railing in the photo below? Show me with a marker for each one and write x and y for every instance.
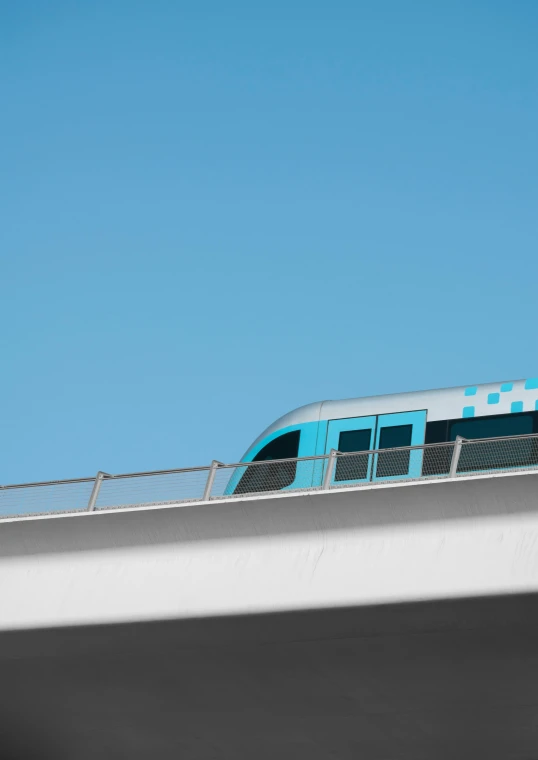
(223, 481)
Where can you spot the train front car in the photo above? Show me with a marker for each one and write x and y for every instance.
(291, 436)
(390, 426)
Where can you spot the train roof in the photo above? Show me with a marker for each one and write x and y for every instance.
(442, 404)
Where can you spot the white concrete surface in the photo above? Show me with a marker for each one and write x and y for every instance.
(422, 541)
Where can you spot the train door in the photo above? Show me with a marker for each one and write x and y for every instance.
(393, 431)
(351, 434)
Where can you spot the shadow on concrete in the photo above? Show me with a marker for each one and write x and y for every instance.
(452, 679)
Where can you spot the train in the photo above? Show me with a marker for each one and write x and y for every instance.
(377, 423)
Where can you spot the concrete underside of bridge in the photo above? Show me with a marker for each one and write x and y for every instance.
(438, 679)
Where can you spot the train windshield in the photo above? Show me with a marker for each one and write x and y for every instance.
(272, 477)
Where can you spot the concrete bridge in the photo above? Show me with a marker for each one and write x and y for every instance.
(397, 621)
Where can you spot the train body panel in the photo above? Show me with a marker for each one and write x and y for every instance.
(382, 422)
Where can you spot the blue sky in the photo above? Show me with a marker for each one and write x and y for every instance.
(215, 212)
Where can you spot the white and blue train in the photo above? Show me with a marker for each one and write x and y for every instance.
(385, 422)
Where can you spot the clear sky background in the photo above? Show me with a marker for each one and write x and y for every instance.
(214, 212)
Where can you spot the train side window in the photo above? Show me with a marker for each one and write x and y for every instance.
(487, 455)
(353, 468)
(394, 463)
(437, 459)
(436, 432)
(391, 437)
(492, 427)
(272, 477)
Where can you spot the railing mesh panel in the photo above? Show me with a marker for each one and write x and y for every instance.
(36, 499)
(160, 488)
(499, 454)
(428, 462)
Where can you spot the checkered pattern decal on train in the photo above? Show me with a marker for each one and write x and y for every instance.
(506, 398)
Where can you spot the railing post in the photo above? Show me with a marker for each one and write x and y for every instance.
(95, 490)
(210, 479)
(456, 456)
(329, 471)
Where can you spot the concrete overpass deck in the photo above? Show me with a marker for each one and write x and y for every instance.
(392, 622)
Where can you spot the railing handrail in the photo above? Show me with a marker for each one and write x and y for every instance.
(317, 457)
(370, 452)
(108, 476)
